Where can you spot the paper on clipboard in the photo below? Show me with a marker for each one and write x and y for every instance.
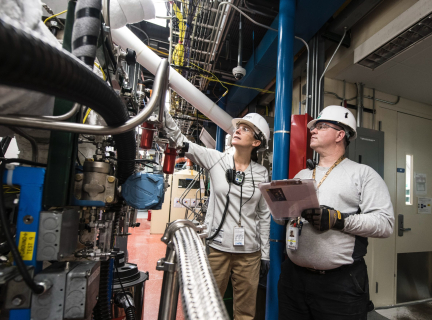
(288, 198)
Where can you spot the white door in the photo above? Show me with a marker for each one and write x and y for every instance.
(413, 202)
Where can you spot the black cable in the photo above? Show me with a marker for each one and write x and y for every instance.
(223, 215)
(22, 268)
(124, 292)
(253, 192)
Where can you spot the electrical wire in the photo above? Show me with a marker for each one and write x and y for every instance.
(213, 79)
(100, 68)
(86, 115)
(237, 85)
(57, 14)
(121, 284)
(22, 268)
(142, 31)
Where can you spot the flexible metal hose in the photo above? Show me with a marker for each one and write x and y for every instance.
(130, 313)
(32, 64)
(200, 295)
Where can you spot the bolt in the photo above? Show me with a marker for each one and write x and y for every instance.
(28, 219)
(109, 199)
(17, 301)
(16, 201)
(79, 176)
(111, 179)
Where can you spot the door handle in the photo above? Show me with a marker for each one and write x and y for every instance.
(401, 228)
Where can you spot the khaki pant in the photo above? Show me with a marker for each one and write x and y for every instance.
(244, 270)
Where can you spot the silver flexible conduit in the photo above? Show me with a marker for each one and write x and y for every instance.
(200, 296)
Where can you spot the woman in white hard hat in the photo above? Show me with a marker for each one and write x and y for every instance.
(238, 218)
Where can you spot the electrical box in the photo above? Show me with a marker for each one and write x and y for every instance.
(368, 149)
(181, 180)
(300, 149)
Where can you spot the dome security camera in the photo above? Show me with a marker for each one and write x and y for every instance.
(239, 72)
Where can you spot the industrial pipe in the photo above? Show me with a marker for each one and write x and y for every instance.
(360, 89)
(307, 74)
(325, 70)
(281, 142)
(150, 60)
(240, 46)
(45, 124)
(186, 266)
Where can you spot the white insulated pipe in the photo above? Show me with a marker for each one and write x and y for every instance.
(150, 60)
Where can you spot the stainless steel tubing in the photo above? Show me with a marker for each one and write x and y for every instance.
(385, 101)
(360, 87)
(325, 70)
(62, 117)
(25, 135)
(170, 287)
(307, 73)
(158, 97)
(200, 296)
(373, 109)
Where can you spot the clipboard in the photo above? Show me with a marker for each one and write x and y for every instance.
(288, 198)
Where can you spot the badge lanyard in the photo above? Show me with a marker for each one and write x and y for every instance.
(328, 171)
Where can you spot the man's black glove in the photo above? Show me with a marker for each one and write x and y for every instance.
(324, 218)
(265, 267)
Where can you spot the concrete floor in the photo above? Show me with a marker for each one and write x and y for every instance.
(145, 250)
(422, 311)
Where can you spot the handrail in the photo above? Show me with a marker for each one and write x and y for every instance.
(187, 268)
(158, 96)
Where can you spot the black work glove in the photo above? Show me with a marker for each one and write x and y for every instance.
(265, 267)
(324, 218)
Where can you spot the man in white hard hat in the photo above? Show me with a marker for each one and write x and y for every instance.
(326, 277)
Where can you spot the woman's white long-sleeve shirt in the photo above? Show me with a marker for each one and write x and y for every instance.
(255, 215)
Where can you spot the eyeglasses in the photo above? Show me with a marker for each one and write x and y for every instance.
(323, 126)
(243, 129)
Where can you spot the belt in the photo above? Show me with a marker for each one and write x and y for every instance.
(322, 271)
(332, 270)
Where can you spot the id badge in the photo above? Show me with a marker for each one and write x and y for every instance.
(239, 236)
(219, 237)
(292, 238)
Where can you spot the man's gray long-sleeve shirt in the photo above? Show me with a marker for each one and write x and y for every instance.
(348, 188)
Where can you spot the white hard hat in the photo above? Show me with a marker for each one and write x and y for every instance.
(258, 124)
(340, 116)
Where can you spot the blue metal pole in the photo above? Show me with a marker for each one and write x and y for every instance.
(220, 134)
(281, 143)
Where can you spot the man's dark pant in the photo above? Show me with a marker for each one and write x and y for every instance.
(342, 294)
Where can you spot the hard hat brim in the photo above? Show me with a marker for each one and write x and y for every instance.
(314, 121)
